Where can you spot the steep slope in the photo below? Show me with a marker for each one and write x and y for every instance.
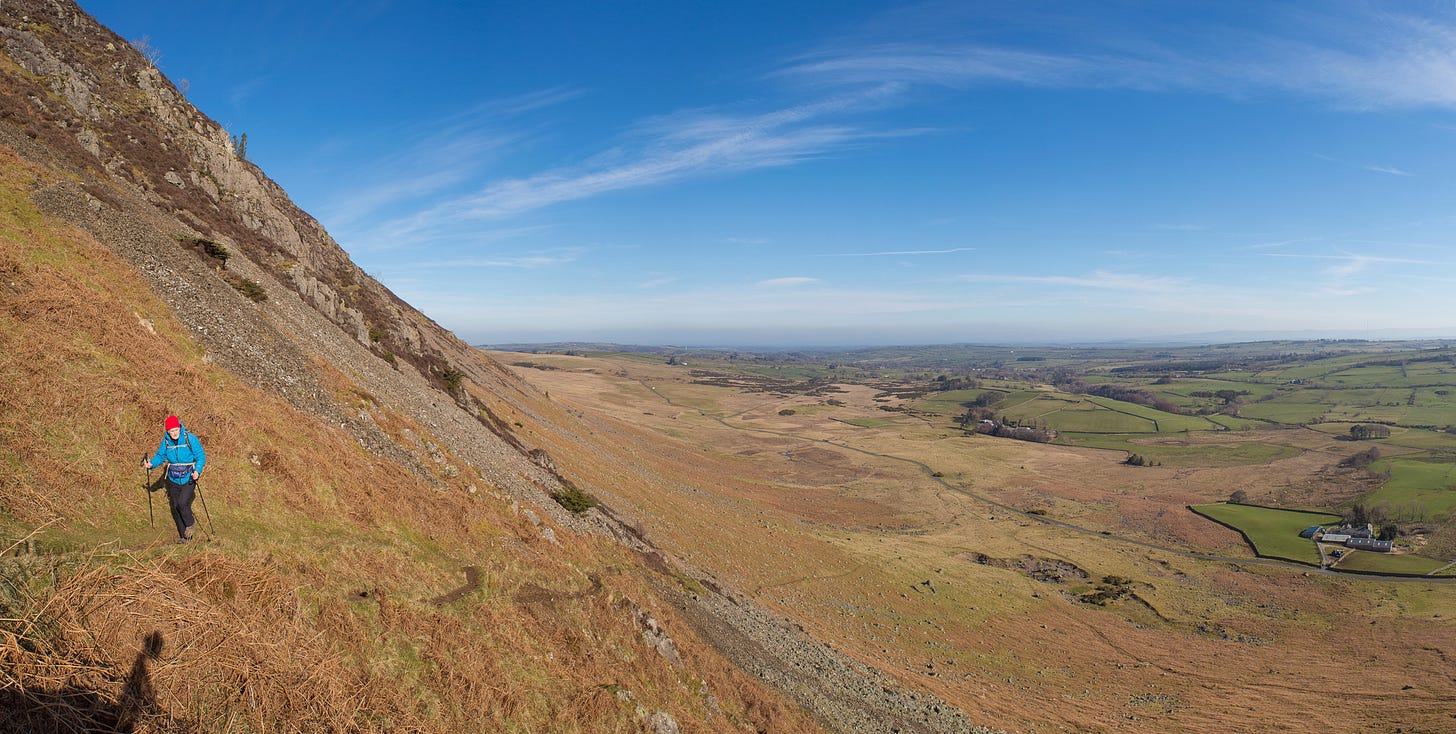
(385, 555)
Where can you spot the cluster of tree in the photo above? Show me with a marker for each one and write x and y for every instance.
(1035, 434)
(985, 399)
(1227, 396)
(1367, 431)
(1126, 393)
(944, 384)
(1140, 460)
(1152, 368)
(1362, 459)
(1359, 515)
(976, 415)
(1133, 395)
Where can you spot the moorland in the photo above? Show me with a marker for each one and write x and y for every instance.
(1013, 529)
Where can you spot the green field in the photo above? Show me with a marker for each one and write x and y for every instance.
(1417, 438)
(1163, 422)
(1090, 414)
(1235, 453)
(1292, 410)
(1388, 563)
(1417, 490)
(951, 403)
(1274, 533)
(1235, 423)
(869, 422)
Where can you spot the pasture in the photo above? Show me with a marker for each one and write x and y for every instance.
(1188, 453)
(1273, 533)
(1388, 563)
(1418, 489)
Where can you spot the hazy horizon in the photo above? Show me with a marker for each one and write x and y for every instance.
(1186, 340)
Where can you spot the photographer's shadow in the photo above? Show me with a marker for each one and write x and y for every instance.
(75, 708)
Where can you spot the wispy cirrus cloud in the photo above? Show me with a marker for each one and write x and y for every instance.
(528, 262)
(903, 252)
(790, 282)
(445, 153)
(1101, 280)
(1389, 170)
(1341, 276)
(1276, 244)
(1351, 54)
(1350, 262)
(673, 148)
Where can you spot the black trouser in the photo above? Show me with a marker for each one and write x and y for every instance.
(180, 497)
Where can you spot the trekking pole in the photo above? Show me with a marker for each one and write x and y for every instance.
(147, 490)
(211, 529)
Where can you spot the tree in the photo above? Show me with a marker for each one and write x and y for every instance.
(1366, 431)
(149, 52)
(1358, 515)
(1387, 532)
(1239, 497)
(240, 145)
(1362, 459)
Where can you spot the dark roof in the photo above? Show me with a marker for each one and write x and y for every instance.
(1369, 544)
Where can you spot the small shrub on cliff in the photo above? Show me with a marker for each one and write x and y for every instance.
(452, 378)
(207, 247)
(251, 289)
(573, 499)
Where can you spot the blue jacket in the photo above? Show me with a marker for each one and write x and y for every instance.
(184, 453)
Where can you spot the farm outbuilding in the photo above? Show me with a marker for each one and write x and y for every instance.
(1311, 531)
(1370, 544)
(1334, 538)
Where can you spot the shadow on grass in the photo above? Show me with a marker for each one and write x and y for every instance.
(75, 708)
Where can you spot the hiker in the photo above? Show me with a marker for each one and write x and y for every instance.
(182, 452)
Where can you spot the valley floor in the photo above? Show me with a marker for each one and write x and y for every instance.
(905, 545)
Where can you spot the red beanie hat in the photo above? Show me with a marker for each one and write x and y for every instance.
(173, 422)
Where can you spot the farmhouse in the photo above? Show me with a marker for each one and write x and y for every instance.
(1356, 531)
(1353, 537)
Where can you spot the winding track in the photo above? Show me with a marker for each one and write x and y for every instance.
(929, 472)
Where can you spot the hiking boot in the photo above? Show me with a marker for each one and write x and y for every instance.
(187, 533)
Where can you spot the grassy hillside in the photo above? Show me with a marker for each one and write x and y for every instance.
(324, 601)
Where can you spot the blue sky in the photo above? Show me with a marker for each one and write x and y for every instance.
(840, 173)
